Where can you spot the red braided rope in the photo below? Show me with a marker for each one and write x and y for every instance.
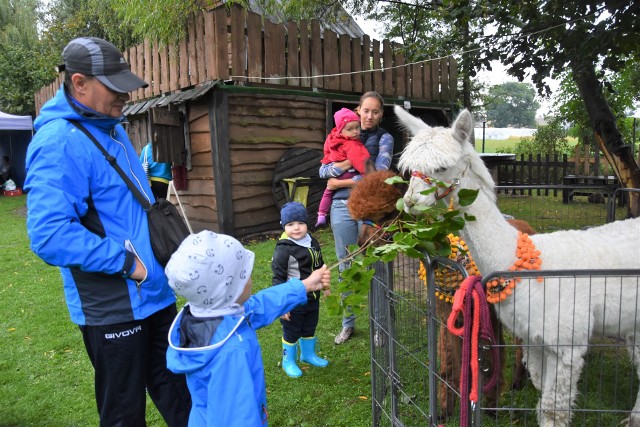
(471, 332)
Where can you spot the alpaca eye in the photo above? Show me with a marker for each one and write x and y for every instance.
(440, 170)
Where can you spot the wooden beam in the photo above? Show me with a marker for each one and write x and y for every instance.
(305, 51)
(367, 78)
(238, 42)
(344, 43)
(316, 55)
(293, 50)
(387, 74)
(221, 159)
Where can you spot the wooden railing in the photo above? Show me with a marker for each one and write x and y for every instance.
(551, 170)
(239, 45)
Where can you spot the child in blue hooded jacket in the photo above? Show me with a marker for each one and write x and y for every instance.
(213, 339)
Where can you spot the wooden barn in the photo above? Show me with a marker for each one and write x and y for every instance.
(242, 103)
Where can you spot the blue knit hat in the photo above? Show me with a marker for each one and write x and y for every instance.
(293, 211)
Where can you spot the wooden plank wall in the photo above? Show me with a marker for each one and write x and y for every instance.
(199, 199)
(137, 129)
(236, 45)
(261, 128)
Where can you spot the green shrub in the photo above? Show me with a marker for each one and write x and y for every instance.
(548, 139)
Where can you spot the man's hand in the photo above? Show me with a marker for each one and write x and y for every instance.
(140, 273)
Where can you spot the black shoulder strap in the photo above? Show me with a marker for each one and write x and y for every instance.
(112, 161)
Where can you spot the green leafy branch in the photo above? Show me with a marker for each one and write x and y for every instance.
(413, 235)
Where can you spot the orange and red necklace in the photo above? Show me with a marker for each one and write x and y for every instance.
(527, 258)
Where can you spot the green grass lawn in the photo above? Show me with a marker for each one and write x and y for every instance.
(46, 378)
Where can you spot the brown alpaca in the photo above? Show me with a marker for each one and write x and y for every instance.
(374, 200)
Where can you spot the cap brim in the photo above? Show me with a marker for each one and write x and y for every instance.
(123, 82)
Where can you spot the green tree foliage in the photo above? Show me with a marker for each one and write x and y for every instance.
(68, 19)
(28, 57)
(428, 30)
(587, 37)
(511, 104)
(164, 20)
(548, 139)
(23, 71)
(623, 92)
(22, 63)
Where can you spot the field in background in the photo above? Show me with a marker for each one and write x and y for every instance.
(505, 145)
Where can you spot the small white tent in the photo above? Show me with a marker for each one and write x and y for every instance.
(11, 122)
(15, 135)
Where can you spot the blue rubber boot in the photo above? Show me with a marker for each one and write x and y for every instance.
(308, 352)
(289, 360)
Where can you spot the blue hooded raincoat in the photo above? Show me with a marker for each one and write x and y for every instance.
(226, 378)
(83, 218)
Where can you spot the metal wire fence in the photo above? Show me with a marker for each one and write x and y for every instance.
(415, 362)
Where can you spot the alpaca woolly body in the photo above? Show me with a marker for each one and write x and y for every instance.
(374, 200)
(548, 315)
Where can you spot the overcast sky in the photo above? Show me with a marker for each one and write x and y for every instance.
(497, 76)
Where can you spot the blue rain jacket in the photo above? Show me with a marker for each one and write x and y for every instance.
(83, 218)
(226, 378)
(157, 171)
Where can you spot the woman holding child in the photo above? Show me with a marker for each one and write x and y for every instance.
(379, 143)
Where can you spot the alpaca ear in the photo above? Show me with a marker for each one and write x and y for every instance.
(461, 128)
(412, 124)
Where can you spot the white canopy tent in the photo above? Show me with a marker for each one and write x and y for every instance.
(11, 122)
(15, 135)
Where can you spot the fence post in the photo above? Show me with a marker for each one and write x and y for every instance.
(432, 326)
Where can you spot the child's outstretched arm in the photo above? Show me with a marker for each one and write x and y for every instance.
(319, 279)
(268, 304)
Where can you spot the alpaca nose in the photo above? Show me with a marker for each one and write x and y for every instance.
(409, 200)
(408, 203)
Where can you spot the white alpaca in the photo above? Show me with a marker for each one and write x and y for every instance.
(558, 317)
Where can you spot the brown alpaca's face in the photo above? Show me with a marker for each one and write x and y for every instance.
(366, 234)
(373, 202)
(371, 231)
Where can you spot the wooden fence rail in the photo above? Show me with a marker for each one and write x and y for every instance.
(554, 170)
(535, 170)
(239, 45)
(550, 170)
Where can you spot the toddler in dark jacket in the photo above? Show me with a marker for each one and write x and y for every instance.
(297, 255)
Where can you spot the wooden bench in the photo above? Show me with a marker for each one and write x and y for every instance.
(585, 185)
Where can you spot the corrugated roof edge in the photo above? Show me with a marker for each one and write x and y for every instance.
(170, 99)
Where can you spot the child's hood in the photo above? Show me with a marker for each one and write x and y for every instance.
(189, 359)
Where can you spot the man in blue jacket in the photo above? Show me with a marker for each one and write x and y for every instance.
(83, 218)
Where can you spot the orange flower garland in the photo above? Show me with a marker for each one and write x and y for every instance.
(527, 258)
(448, 281)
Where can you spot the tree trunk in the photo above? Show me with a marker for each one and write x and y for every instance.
(608, 138)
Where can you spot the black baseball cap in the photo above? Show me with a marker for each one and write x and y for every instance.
(96, 57)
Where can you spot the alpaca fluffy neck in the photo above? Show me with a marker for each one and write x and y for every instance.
(491, 239)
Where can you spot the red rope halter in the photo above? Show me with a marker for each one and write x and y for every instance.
(428, 180)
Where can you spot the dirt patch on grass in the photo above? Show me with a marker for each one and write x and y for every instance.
(260, 237)
(21, 211)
